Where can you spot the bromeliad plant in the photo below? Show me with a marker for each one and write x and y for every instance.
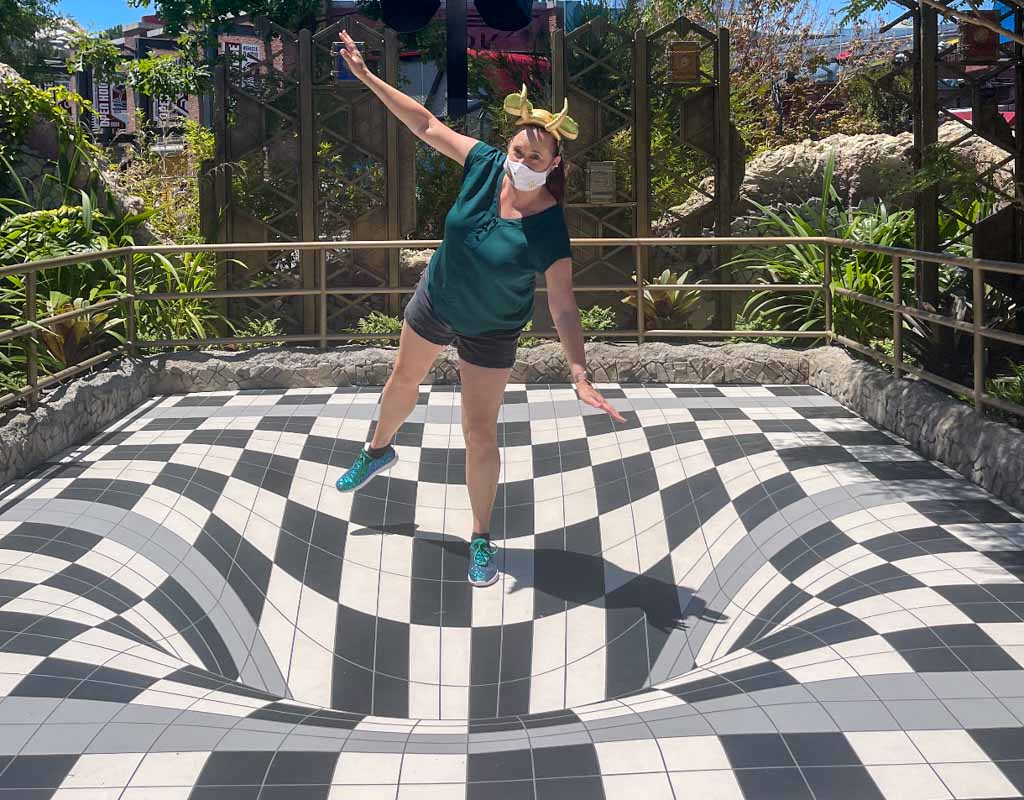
(72, 341)
(668, 308)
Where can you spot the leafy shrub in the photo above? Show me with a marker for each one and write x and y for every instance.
(171, 193)
(377, 322)
(175, 319)
(1009, 387)
(529, 341)
(251, 327)
(22, 105)
(597, 318)
(866, 273)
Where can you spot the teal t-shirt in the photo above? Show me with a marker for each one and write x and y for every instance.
(483, 276)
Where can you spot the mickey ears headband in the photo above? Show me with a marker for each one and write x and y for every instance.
(559, 125)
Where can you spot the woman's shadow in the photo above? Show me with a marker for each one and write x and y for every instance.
(579, 579)
(582, 579)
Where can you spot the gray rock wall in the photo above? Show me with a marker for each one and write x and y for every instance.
(988, 453)
(69, 416)
(284, 368)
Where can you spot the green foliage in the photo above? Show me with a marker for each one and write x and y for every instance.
(857, 10)
(1009, 387)
(529, 341)
(50, 233)
(668, 308)
(256, 326)
(942, 166)
(597, 318)
(166, 76)
(20, 45)
(175, 319)
(23, 105)
(375, 323)
(180, 15)
(79, 229)
(159, 76)
(97, 52)
(866, 273)
(170, 189)
(438, 179)
(72, 341)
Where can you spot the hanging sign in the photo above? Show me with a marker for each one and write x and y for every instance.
(601, 182)
(683, 62)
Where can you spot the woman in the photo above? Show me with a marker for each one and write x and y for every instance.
(507, 225)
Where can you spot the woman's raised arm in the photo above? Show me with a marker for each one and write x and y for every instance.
(416, 117)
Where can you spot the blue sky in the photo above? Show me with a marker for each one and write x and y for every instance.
(99, 14)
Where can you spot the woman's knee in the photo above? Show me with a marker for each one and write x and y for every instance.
(480, 434)
(408, 373)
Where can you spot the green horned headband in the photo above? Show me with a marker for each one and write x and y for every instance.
(559, 125)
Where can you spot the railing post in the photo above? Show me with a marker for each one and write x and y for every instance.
(978, 317)
(641, 169)
(322, 280)
(393, 194)
(31, 357)
(827, 291)
(897, 315)
(307, 174)
(641, 282)
(129, 285)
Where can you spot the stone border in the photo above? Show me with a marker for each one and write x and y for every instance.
(70, 415)
(988, 453)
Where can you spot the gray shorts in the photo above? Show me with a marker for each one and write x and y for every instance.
(495, 350)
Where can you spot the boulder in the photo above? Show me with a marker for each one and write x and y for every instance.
(867, 166)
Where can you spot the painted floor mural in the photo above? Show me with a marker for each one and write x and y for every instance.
(744, 593)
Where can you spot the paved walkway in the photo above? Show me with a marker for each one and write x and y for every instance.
(744, 592)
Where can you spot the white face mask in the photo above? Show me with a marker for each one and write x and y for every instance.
(524, 178)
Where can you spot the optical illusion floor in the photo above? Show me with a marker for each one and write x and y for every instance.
(743, 592)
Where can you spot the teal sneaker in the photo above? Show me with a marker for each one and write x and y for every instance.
(366, 469)
(483, 571)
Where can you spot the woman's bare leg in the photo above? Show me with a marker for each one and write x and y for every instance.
(416, 356)
(483, 390)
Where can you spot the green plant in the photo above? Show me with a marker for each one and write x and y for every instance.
(171, 190)
(72, 341)
(166, 76)
(256, 326)
(667, 308)
(529, 341)
(21, 45)
(96, 52)
(180, 15)
(597, 318)
(192, 318)
(1009, 387)
(376, 323)
(22, 105)
(865, 273)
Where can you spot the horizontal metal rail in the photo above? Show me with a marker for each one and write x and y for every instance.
(25, 330)
(896, 307)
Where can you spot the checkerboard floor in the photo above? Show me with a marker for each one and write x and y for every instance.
(743, 592)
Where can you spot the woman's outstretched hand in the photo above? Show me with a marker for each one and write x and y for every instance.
(353, 58)
(589, 395)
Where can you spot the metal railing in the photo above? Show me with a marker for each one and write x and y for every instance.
(322, 337)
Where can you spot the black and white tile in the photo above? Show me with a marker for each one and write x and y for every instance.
(743, 592)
